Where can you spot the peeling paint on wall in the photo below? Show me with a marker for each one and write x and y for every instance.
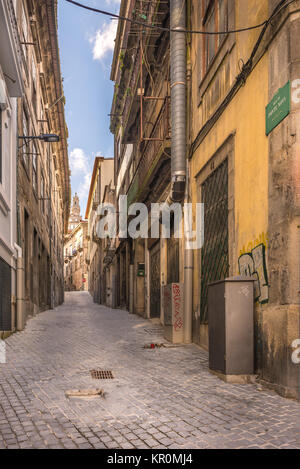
(253, 264)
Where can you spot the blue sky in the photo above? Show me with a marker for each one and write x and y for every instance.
(86, 43)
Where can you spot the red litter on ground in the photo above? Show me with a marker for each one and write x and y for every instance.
(153, 346)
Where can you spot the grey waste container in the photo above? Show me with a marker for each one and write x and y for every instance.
(231, 326)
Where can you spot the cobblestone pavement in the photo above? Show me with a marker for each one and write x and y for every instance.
(162, 398)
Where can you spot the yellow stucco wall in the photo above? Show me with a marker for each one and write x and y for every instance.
(245, 117)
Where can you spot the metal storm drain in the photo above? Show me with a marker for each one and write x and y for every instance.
(102, 374)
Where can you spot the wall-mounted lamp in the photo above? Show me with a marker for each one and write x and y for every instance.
(48, 138)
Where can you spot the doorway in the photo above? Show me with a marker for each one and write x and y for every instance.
(155, 288)
(214, 258)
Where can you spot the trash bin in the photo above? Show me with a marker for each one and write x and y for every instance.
(231, 326)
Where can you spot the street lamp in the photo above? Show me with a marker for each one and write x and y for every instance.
(48, 138)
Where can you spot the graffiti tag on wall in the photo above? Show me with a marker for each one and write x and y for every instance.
(253, 264)
(178, 319)
(296, 353)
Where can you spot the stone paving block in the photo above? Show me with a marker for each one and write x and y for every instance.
(113, 445)
(126, 445)
(99, 445)
(85, 446)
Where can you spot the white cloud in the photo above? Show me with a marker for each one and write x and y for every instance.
(104, 40)
(85, 186)
(78, 161)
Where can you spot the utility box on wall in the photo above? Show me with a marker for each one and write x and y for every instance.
(231, 326)
(173, 312)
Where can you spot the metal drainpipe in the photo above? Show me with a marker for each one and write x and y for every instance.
(188, 253)
(51, 231)
(178, 99)
(188, 281)
(179, 165)
(20, 316)
(20, 289)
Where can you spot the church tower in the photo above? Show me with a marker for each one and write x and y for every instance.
(75, 216)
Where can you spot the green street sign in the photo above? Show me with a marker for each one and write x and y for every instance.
(278, 108)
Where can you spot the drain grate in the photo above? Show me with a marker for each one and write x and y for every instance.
(102, 374)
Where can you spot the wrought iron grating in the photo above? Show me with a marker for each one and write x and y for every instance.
(214, 258)
(102, 374)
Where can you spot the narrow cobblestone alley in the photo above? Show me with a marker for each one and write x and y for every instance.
(162, 398)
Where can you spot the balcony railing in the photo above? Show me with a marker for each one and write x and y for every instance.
(132, 85)
(151, 151)
(15, 32)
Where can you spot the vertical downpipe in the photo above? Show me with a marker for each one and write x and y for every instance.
(51, 233)
(188, 253)
(20, 280)
(188, 281)
(179, 165)
(178, 98)
(20, 289)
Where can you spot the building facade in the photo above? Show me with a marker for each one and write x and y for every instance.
(233, 149)
(103, 175)
(43, 170)
(108, 267)
(247, 165)
(141, 124)
(11, 87)
(75, 251)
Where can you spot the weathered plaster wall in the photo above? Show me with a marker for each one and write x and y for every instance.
(265, 241)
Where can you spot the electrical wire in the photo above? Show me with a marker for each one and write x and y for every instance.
(171, 30)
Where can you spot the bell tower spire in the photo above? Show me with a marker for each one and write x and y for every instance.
(75, 216)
